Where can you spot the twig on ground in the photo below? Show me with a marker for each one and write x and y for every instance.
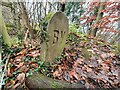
(3, 74)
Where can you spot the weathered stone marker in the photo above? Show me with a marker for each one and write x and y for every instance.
(57, 32)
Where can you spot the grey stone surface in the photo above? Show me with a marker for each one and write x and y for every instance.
(57, 32)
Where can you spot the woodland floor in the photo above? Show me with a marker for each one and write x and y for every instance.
(86, 60)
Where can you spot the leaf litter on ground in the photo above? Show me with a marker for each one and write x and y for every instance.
(86, 60)
(95, 61)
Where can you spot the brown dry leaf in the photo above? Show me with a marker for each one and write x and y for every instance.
(18, 60)
(92, 51)
(74, 74)
(105, 67)
(18, 57)
(112, 54)
(89, 69)
(56, 73)
(24, 69)
(31, 62)
(13, 69)
(75, 64)
(90, 65)
(22, 52)
(12, 82)
(69, 59)
(7, 84)
(108, 62)
(99, 61)
(77, 76)
(104, 55)
(34, 65)
(34, 53)
(16, 85)
(61, 68)
(66, 53)
(20, 64)
(70, 74)
(21, 77)
(79, 60)
(72, 54)
(31, 49)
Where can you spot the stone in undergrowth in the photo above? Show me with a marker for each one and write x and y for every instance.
(57, 31)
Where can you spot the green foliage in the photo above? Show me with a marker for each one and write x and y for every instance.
(86, 53)
(76, 38)
(43, 36)
(75, 28)
(72, 37)
(45, 20)
(7, 50)
(74, 10)
(44, 23)
(43, 66)
(16, 41)
(116, 48)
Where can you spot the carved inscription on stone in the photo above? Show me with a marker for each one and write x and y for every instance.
(57, 32)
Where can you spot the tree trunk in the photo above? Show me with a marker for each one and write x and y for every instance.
(118, 36)
(7, 4)
(3, 29)
(99, 16)
(39, 81)
(6, 39)
(26, 18)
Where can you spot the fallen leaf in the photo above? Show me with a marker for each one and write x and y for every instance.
(104, 56)
(34, 55)
(89, 69)
(80, 60)
(16, 85)
(20, 64)
(12, 82)
(90, 65)
(56, 74)
(34, 65)
(24, 69)
(105, 67)
(108, 62)
(69, 59)
(18, 60)
(75, 64)
(22, 52)
(74, 74)
(34, 52)
(21, 77)
(72, 54)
